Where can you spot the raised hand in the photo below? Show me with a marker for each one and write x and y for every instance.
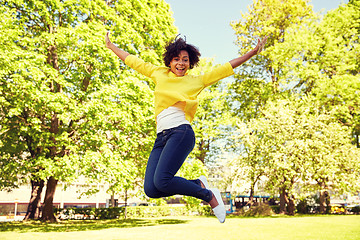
(119, 52)
(107, 40)
(261, 44)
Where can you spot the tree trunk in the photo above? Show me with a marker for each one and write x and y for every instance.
(112, 200)
(203, 149)
(34, 206)
(33, 210)
(283, 201)
(126, 200)
(251, 197)
(322, 198)
(48, 210)
(327, 201)
(291, 206)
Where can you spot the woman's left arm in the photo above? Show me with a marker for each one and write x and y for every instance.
(240, 60)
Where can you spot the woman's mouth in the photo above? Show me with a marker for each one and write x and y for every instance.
(180, 69)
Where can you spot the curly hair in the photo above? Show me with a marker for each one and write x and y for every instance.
(174, 47)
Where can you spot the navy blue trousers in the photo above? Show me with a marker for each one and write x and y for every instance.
(171, 148)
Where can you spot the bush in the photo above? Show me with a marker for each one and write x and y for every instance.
(132, 212)
(275, 208)
(257, 211)
(302, 207)
(308, 204)
(355, 210)
(89, 213)
(155, 211)
(161, 211)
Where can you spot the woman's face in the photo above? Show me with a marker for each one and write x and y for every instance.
(180, 64)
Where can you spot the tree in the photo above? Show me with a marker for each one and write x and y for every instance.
(251, 156)
(310, 56)
(298, 144)
(322, 61)
(258, 79)
(118, 156)
(16, 146)
(321, 58)
(62, 67)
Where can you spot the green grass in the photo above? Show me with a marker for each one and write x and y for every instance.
(191, 228)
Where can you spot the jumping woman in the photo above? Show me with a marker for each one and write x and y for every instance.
(175, 106)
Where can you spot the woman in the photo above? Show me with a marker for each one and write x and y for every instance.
(175, 106)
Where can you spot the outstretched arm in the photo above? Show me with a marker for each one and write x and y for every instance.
(240, 60)
(120, 53)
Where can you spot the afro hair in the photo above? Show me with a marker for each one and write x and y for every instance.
(174, 47)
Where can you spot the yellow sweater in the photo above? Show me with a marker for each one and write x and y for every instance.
(170, 89)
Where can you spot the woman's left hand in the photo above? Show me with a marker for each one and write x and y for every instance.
(261, 44)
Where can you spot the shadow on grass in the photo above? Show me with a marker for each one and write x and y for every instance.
(85, 225)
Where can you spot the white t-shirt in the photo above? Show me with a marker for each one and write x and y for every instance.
(169, 118)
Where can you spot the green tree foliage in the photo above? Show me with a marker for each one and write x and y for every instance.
(192, 169)
(321, 58)
(11, 172)
(257, 80)
(294, 146)
(68, 105)
(213, 117)
(312, 57)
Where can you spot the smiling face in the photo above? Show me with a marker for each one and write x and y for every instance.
(180, 64)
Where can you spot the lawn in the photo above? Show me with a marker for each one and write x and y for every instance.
(191, 228)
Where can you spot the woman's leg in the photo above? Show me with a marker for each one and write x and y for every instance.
(179, 143)
(170, 151)
(149, 186)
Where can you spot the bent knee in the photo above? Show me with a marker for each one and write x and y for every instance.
(152, 192)
(161, 184)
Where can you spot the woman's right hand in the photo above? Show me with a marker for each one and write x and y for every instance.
(107, 40)
(120, 53)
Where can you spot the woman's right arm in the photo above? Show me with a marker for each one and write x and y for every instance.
(120, 53)
(133, 62)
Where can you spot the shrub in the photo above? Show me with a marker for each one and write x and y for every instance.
(132, 212)
(257, 211)
(89, 213)
(355, 210)
(275, 208)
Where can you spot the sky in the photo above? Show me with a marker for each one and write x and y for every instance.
(206, 23)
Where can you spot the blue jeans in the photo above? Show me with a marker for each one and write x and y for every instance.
(171, 148)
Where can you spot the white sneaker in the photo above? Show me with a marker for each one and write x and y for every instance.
(204, 181)
(219, 210)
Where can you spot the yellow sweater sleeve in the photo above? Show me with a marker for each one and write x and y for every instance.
(145, 68)
(218, 73)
